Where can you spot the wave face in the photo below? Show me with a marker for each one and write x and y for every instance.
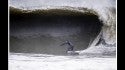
(100, 16)
(44, 34)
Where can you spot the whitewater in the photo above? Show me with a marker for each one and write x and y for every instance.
(21, 61)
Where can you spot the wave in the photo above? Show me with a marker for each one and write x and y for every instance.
(105, 11)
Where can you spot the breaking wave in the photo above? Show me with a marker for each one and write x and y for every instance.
(106, 13)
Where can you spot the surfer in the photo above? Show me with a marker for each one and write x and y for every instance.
(70, 46)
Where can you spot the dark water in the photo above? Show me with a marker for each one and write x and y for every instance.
(44, 34)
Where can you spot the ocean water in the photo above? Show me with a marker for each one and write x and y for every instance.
(35, 40)
(23, 61)
(45, 34)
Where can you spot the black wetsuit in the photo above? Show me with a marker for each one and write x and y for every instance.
(70, 46)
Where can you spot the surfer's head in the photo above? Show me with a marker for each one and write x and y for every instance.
(67, 41)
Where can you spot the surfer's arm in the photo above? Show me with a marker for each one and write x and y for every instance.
(62, 44)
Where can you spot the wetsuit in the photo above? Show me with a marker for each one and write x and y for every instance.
(70, 47)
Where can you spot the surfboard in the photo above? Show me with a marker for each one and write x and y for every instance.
(72, 53)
